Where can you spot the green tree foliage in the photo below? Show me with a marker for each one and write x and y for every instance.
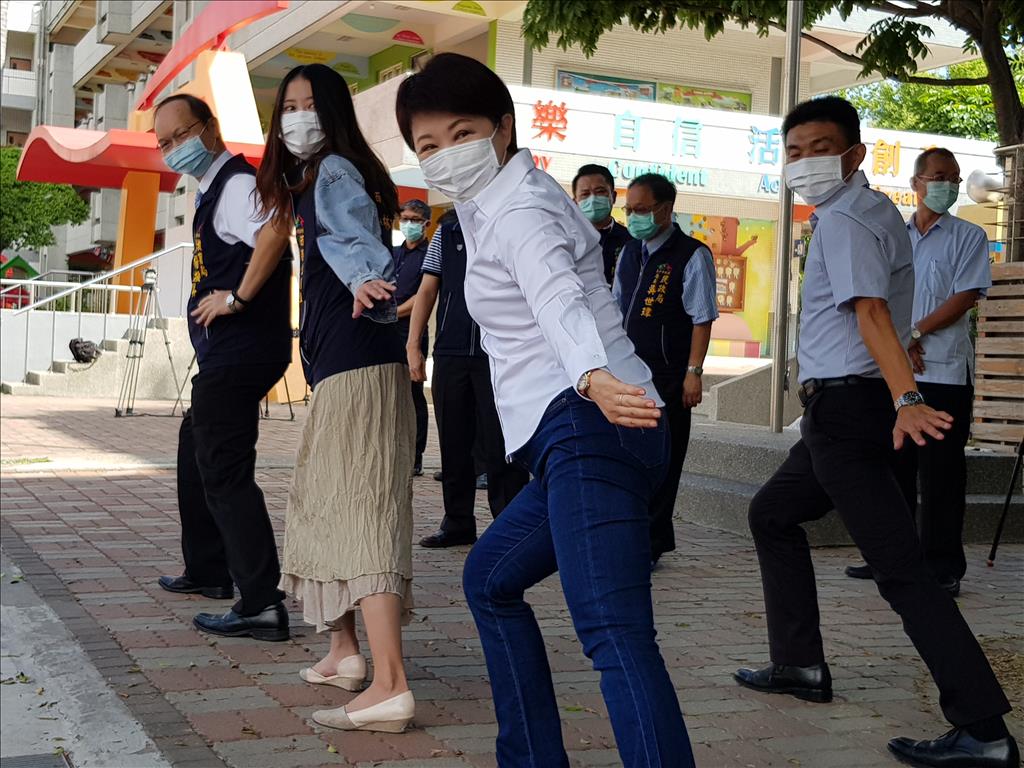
(28, 210)
(960, 110)
(892, 47)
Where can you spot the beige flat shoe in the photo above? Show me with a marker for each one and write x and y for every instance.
(351, 674)
(390, 716)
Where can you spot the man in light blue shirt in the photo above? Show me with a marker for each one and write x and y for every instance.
(952, 272)
(861, 405)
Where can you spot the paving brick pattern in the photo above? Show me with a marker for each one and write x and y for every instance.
(93, 541)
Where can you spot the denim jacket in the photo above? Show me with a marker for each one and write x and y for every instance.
(350, 230)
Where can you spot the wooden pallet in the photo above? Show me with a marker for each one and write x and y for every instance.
(999, 360)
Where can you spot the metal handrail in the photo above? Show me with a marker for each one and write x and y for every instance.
(13, 283)
(104, 276)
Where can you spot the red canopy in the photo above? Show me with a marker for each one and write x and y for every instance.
(100, 159)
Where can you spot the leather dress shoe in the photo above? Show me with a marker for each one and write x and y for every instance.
(443, 539)
(807, 683)
(859, 571)
(951, 585)
(438, 476)
(183, 585)
(270, 624)
(957, 749)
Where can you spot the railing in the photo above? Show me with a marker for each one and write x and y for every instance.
(19, 292)
(97, 295)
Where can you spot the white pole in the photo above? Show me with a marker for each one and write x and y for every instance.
(784, 234)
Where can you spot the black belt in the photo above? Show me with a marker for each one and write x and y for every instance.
(811, 387)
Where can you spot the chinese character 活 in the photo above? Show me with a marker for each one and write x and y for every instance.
(764, 146)
(885, 158)
(551, 120)
(627, 131)
(686, 137)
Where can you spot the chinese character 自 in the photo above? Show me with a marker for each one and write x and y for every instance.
(764, 146)
(551, 120)
(885, 158)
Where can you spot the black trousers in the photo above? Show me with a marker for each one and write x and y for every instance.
(419, 401)
(940, 470)
(464, 406)
(663, 535)
(226, 534)
(845, 460)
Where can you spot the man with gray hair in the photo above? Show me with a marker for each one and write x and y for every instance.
(413, 222)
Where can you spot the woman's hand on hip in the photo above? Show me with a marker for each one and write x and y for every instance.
(622, 404)
(369, 292)
(417, 363)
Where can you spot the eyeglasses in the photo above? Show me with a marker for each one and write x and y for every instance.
(642, 210)
(940, 177)
(413, 219)
(179, 137)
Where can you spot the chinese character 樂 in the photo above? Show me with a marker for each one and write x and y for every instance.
(764, 146)
(627, 131)
(686, 137)
(551, 120)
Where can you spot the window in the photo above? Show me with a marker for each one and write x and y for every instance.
(179, 221)
(22, 64)
(16, 138)
(389, 72)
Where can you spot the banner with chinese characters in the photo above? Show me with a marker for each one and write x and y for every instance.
(703, 151)
(708, 98)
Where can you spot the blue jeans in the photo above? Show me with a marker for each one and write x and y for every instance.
(584, 515)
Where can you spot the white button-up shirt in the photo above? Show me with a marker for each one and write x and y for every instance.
(951, 257)
(237, 217)
(535, 285)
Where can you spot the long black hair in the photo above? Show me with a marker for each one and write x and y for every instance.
(337, 114)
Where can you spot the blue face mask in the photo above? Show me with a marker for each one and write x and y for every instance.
(191, 158)
(413, 230)
(941, 195)
(642, 225)
(596, 207)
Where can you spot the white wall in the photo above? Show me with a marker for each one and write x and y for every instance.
(46, 341)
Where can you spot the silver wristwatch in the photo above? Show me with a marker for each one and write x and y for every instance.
(695, 369)
(915, 334)
(909, 398)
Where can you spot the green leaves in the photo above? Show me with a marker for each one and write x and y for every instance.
(28, 210)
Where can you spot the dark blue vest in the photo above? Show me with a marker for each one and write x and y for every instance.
(652, 306)
(261, 334)
(408, 262)
(613, 240)
(456, 334)
(330, 341)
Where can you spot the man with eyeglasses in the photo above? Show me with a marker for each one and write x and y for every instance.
(240, 328)
(413, 221)
(665, 287)
(951, 272)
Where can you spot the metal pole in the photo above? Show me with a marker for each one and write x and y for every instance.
(784, 234)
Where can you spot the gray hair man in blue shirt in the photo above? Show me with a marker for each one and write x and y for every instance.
(861, 406)
(952, 272)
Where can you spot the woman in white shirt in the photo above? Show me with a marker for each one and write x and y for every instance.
(574, 406)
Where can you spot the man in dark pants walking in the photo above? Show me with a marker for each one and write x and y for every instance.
(413, 220)
(239, 325)
(665, 287)
(953, 272)
(861, 403)
(461, 391)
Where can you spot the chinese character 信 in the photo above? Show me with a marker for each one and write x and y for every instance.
(627, 131)
(885, 158)
(764, 146)
(686, 137)
(551, 120)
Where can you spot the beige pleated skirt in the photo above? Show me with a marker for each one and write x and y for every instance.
(348, 527)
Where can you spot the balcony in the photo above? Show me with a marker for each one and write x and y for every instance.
(19, 89)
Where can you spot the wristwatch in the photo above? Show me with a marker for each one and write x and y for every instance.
(915, 334)
(235, 302)
(698, 370)
(583, 385)
(909, 398)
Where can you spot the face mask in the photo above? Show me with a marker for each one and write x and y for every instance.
(642, 225)
(941, 195)
(191, 158)
(461, 172)
(413, 230)
(302, 134)
(596, 207)
(815, 179)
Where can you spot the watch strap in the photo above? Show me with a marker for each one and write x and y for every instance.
(909, 398)
(241, 302)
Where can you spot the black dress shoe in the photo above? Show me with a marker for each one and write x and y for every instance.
(443, 539)
(417, 468)
(859, 572)
(270, 624)
(957, 749)
(951, 585)
(184, 586)
(807, 683)
(438, 476)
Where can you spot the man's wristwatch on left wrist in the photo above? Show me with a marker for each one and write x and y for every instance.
(909, 398)
(697, 370)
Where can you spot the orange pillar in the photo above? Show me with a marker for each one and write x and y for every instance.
(136, 228)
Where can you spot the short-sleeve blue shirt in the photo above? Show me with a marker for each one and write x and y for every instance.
(951, 257)
(860, 249)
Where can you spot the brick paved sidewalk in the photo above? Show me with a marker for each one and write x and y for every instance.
(92, 543)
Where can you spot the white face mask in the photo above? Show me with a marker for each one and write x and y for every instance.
(461, 172)
(815, 179)
(302, 134)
